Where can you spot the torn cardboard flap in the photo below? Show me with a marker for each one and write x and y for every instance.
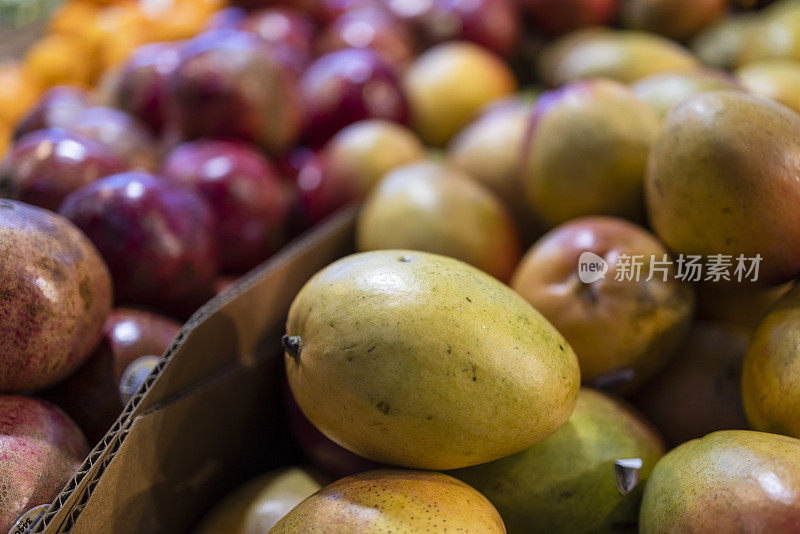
(211, 414)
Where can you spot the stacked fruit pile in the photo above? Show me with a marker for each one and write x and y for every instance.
(651, 169)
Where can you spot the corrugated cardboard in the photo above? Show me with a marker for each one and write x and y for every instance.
(209, 416)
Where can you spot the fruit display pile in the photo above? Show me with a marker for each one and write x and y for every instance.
(572, 305)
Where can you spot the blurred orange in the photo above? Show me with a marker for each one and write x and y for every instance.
(58, 59)
(5, 139)
(73, 16)
(17, 93)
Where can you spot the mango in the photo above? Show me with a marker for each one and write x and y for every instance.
(745, 306)
(567, 482)
(677, 19)
(774, 35)
(398, 501)
(258, 505)
(728, 481)
(585, 152)
(429, 207)
(771, 372)
(776, 79)
(665, 90)
(623, 55)
(488, 150)
(722, 179)
(700, 390)
(422, 361)
(723, 44)
(449, 83)
(623, 327)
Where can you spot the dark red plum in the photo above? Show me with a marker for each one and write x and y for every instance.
(231, 84)
(282, 26)
(323, 453)
(122, 133)
(140, 86)
(156, 237)
(320, 192)
(555, 17)
(493, 24)
(347, 86)
(328, 10)
(303, 5)
(91, 396)
(288, 33)
(57, 107)
(243, 189)
(45, 166)
(371, 27)
(290, 165)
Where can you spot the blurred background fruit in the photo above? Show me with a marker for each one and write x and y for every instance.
(56, 108)
(678, 19)
(699, 391)
(623, 55)
(241, 185)
(426, 206)
(665, 90)
(44, 166)
(488, 150)
(256, 506)
(776, 79)
(352, 163)
(585, 152)
(561, 16)
(449, 83)
(140, 85)
(217, 73)
(156, 237)
(346, 86)
(373, 27)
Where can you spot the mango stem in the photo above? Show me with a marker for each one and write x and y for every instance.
(291, 344)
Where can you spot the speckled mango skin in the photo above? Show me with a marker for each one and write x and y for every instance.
(393, 501)
(729, 481)
(55, 294)
(771, 371)
(430, 207)
(566, 483)
(40, 449)
(724, 178)
(422, 361)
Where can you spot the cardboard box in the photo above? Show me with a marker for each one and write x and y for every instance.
(210, 416)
